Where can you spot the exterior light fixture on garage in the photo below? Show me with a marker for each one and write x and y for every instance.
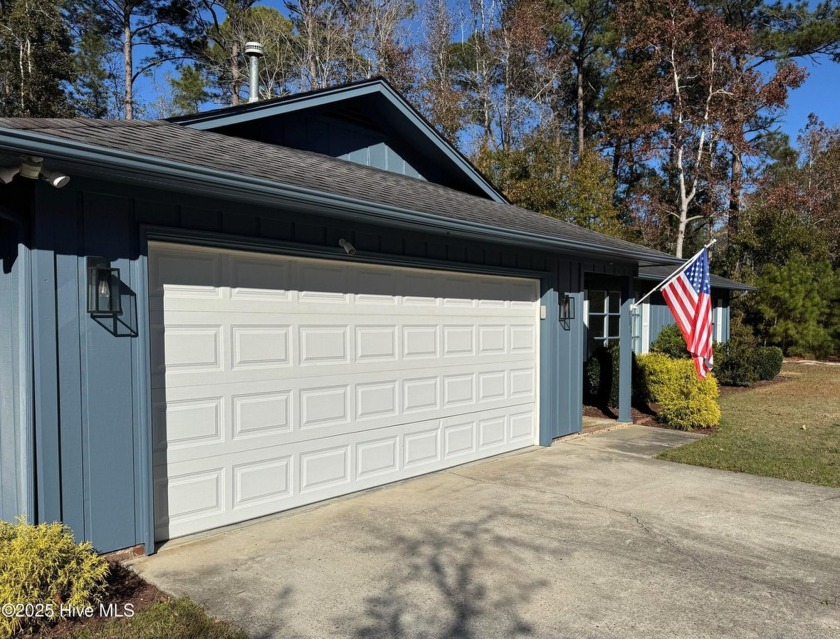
(31, 167)
(8, 173)
(567, 308)
(348, 248)
(103, 288)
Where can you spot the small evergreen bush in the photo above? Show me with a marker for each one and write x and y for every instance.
(768, 362)
(736, 362)
(601, 376)
(42, 566)
(592, 378)
(671, 342)
(685, 401)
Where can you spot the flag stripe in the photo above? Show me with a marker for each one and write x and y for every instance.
(688, 295)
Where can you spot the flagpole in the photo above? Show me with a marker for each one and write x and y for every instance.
(670, 277)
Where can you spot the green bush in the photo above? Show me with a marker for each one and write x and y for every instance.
(42, 565)
(685, 401)
(768, 362)
(736, 362)
(601, 377)
(592, 378)
(671, 342)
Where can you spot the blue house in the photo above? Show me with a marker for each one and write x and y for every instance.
(231, 314)
(602, 308)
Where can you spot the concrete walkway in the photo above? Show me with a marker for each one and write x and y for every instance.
(588, 538)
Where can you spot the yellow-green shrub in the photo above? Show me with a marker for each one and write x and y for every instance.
(685, 401)
(42, 566)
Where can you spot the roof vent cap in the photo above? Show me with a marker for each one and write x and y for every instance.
(255, 49)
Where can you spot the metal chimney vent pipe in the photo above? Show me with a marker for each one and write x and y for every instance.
(254, 51)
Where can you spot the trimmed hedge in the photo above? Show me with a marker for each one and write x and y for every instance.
(768, 362)
(42, 566)
(740, 362)
(735, 363)
(685, 401)
(671, 342)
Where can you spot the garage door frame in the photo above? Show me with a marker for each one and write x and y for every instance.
(144, 444)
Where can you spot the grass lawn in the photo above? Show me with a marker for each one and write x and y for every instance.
(789, 429)
(177, 619)
(156, 615)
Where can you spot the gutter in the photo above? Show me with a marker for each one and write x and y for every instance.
(205, 181)
(729, 285)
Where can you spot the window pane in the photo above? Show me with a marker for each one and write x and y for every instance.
(597, 301)
(615, 301)
(615, 322)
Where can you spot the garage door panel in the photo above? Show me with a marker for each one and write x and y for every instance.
(288, 380)
(250, 414)
(395, 369)
(202, 494)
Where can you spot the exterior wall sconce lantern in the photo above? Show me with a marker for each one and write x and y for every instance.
(103, 288)
(567, 308)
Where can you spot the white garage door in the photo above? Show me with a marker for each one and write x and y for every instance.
(282, 381)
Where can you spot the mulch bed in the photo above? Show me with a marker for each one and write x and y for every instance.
(646, 415)
(124, 587)
(642, 415)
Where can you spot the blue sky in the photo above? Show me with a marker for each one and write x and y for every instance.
(820, 94)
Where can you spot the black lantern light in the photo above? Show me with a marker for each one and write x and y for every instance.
(103, 288)
(567, 307)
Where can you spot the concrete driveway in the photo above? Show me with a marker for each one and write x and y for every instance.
(589, 538)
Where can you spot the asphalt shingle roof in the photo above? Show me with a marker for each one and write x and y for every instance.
(292, 167)
(659, 273)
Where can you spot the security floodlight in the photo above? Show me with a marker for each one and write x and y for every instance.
(56, 178)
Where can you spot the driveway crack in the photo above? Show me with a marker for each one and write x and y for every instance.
(648, 530)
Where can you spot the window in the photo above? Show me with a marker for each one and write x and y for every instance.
(604, 317)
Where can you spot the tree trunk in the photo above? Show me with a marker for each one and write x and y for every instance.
(129, 69)
(734, 194)
(235, 75)
(580, 109)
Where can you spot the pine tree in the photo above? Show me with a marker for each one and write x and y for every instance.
(36, 63)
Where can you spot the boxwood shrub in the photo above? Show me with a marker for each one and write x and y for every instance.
(768, 362)
(42, 565)
(685, 401)
(671, 342)
(735, 362)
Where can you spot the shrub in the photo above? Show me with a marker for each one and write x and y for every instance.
(592, 378)
(768, 362)
(43, 565)
(685, 401)
(601, 376)
(735, 362)
(671, 342)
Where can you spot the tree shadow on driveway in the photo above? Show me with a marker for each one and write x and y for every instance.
(454, 580)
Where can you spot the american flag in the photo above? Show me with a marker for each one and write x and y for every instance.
(688, 295)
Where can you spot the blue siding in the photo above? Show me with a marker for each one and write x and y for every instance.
(93, 427)
(352, 141)
(660, 314)
(15, 423)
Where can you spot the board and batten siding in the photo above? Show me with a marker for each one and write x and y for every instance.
(660, 315)
(15, 411)
(92, 438)
(331, 136)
